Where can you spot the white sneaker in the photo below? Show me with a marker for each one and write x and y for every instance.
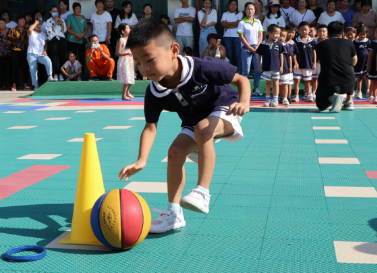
(267, 103)
(353, 94)
(367, 94)
(61, 78)
(359, 95)
(167, 220)
(309, 98)
(336, 101)
(257, 93)
(295, 99)
(285, 101)
(314, 96)
(56, 78)
(197, 201)
(370, 99)
(50, 79)
(275, 103)
(304, 96)
(194, 156)
(348, 106)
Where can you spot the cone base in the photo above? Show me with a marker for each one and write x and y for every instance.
(68, 241)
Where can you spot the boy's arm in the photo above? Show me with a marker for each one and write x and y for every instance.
(243, 105)
(281, 63)
(315, 59)
(295, 61)
(259, 61)
(290, 64)
(370, 56)
(146, 142)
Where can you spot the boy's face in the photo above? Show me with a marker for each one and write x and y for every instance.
(155, 61)
(283, 36)
(72, 58)
(345, 4)
(291, 34)
(304, 31)
(164, 20)
(350, 35)
(312, 32)
(274, 35)
(358, 6)
(184, 2)
(322, 33)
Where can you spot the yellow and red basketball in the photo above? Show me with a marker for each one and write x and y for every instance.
(120, 219)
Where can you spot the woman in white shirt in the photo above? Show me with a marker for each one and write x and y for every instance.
(37, 52)
(64, 12)
(126, 16)
(286, 10)
(330, 15)
(207, 18)
(101, 23)
(273, 16)
(57, 44)
(6, 16)
(232, 43)
(302, 14)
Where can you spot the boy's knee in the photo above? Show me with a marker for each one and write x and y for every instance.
(203, 132)
(176, 152)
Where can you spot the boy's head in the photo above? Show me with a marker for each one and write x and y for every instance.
(165, 19)
(273, 32)
(335, 29)
(187, 51)
(322, 32)
(358, 5)
(312, 31)
(72, 56)
(283, 35)
(304, 27)
(184, 2)
(291, 32)
(154, 48)
(93, 39)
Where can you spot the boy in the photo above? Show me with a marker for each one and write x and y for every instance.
(287, 77)
(183, 17)
(272, 52)
(187, 51)
(313, 31)
(322, 35)
(72, 69)
(198, 90)
(291, 33)
(306, 59)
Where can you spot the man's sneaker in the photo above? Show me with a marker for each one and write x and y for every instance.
(50, 79)
(285, 101)
(309, 98)
(110, 79)
(93, 79)
(197, 201)
(61, 78)
(370, 99)
(56, 78)
(336, 102)
(304, 96)
(194, 156)
(167, 220)
(348, 106)
(295, 99)
(359, 95)
(256, 92)
(274, 103)
(267, 103)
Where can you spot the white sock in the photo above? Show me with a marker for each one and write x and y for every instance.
(267, 98)
(174, 207)
(202, 189)
(276, 97)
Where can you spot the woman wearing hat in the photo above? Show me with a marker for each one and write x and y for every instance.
(213, 45)
(273, 15)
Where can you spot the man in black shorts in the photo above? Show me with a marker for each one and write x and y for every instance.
(337, 57)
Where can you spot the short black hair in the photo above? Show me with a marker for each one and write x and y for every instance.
(71, 52)
(313, 26)
(282, 29)
(357, 1)
(54, 6)
(303, 23)
(97, 1)
(7, 12)
(75, 5)
(188, 51)
(164, 16)
(91, 37)
(331, 1)
(37, 11)
(65, 2)
(2, 19)
(147, 5)
(271, 28)
(29, 14)
(366, 3)
(150, 29)
(322, 26)
(19, 17)
(290, 27)
(335, 28)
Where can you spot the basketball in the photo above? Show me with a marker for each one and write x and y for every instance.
(120, 219)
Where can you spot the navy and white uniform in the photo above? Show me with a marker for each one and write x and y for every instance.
(202, 91)
(372, 75)
(305, 58)
(362, 49)
(271, 59)
(286, 77)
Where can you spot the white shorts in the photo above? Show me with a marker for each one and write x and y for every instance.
(286, 79)
(270, 75)
(305, 74)
(315, 73)
(221, 113)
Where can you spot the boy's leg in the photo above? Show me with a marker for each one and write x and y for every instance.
(308, 87)
(268, 93)
(297, 86)
(275, 87)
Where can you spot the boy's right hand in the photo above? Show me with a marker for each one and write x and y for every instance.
(131, 170)
(368, 68)
(261, 69)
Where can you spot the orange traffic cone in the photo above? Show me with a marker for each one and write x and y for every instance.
(89, 188)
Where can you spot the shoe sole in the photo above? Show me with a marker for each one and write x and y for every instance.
(191, 207)
(348, 109)
(337, 105)
(175, 226)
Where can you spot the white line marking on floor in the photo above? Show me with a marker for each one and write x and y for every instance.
(356, 252)
(117, 127)
(323, 118)
(338, 160)
(56, 118)
(187, 160)
(154, 187)
(84, 111)
(21, 127)
(326, 128)
(79, 139)
(368, 192)
(217, 140)
(331, 141)
(137, 118)
(40, 156)
(14, 112)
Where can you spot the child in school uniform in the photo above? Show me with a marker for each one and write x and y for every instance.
(372, 69)
(286, 78)
(362, 43)
(291, 33)
(306, 59)
(198, 91)
(321, 32)
(351, 33)
(72, 69)
(125, 69)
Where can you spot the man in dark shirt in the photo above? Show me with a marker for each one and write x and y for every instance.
(337, 57)
(114, 12)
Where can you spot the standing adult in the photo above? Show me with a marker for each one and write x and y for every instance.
(147, 11)
(8, 20)
(77, 29)
(367, 17)
(313, 6)
(207, 18)
(57, 44)
(273, 15)
(126, 16)
(337, 75)
(101, 23)
(347, 13)
(330, 15)
(286, 10)
(183, 17)
(38, 15)
(114, 12)
(302, 14)
(64, 12)
(37, 52)
(232, 42)
(259, 14)
(5, 62)
(250, 31)
(18, 42)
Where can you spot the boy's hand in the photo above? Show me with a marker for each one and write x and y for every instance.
(281, 70)
(290, 70)
(238, 108)
(314, 66)
(368, 68)
(261, 69)
(131, 170)
(295, 67)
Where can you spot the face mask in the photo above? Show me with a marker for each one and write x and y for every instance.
(55, 14)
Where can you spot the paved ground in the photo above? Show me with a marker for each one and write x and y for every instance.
(297, 194)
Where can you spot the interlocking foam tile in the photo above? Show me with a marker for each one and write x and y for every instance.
(371, 174)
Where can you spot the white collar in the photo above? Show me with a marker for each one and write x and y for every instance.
(187, 68)
(358, 41)
(291, 43)
(300, 41)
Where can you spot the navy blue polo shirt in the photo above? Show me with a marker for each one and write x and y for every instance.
(204, 85)
(373, 47)
(292, 47)
(305, 56)
(286, 54)
(271, 55)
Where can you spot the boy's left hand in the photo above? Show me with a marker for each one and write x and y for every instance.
(314, 66)
(281, 70)
(238, 108)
